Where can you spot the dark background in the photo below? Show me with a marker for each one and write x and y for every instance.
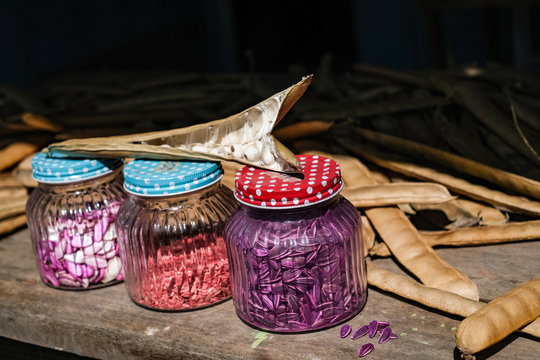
(38, 39)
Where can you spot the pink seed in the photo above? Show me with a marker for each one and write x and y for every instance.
(372, 328)
(361, 331)
(382, 324)
(385, 335)
(365, 349)
(345, 330)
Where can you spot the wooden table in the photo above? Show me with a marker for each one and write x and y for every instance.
(105, 323)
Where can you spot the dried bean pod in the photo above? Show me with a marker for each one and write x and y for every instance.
(438, 299)
(244, 137)
(499, 318)
(416, 255)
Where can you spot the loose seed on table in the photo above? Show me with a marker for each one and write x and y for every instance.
(345, 330)
(385, 335)
(365, 349)
(361, 331)
(372, 328)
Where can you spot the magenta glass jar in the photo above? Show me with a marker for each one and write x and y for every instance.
(71, 218)
(295, 249)
(170, 231)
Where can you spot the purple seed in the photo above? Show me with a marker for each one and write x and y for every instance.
(372, 328)
(365, 349)
(361, 331)
(345, 330)
(393, 336)
(382, 324)
(385, 335)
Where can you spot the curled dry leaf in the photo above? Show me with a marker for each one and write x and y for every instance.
(244, 137)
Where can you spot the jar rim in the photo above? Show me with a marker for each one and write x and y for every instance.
(78, 181)
(180, 192)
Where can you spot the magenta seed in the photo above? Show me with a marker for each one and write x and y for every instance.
(365, 349)
(345, 330)
(372, 328)
(361, 331)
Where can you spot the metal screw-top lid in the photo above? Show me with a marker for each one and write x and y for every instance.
(60, 169)
(162, 178)
(321, 180)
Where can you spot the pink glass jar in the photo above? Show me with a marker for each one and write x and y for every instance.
(295, 249)
(71, 218)
(170, 231)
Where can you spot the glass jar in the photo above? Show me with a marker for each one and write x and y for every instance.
(170, 231)
(295, 249)
(71, 217)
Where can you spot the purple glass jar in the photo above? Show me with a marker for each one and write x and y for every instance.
(295, 249)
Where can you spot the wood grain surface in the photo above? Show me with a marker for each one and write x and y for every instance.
(105, 324)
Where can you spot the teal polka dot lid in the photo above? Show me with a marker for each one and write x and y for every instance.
(162, 178)
(61, 169)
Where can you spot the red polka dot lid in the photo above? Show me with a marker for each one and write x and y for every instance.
(268, 189)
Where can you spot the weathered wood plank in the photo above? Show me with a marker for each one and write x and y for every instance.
(105, 323)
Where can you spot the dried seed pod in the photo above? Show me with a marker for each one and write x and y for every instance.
(499, 318)
(15, 152)
(499, 199)
(446, 301)
(416, 255)
(396, 193)
(10, 224)
(244, 137)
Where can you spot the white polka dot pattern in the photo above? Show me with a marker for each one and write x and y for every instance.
(160, 178)
(262, 188)
(59, 169)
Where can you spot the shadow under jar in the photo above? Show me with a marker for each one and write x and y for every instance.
(170, 231)
(295, 249)
(71, 216)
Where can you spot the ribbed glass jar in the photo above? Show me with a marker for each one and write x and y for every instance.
(296, 265)
(173, 250)
(73, 234)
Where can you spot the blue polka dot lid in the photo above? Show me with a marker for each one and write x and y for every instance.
(61, 169)
(162, 178)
